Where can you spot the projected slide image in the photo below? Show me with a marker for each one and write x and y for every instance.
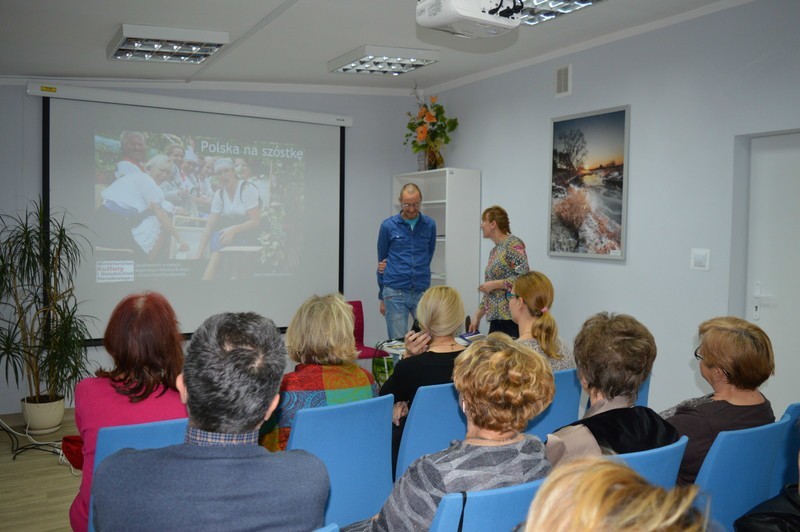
(218, 207)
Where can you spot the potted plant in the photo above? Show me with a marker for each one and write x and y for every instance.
(42, 335)
(429, 131)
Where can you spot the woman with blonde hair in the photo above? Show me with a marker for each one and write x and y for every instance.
(430, 356)
(320, 339)
(531, 304)
(502, 386)
(735, 357)
(602, 495)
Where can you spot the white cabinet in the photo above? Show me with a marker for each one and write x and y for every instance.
(452, 197)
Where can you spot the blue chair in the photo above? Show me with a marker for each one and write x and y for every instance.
(658, 466)
(496, 509)
(333, 527)
(564, 408)
(786, 461)
(737, 471)
(354, 440)
(141, 436)
(434, 420)
(644, 392)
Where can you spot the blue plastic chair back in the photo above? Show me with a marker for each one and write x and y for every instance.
(434, 420)
(658, 466)
(496, 509)
(354, 440)
(333, 527)
(786, 460)
(737, 471)
(564, 408)
(644, 392)
(141, 436)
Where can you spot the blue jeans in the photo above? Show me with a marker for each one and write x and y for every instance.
(400, 304)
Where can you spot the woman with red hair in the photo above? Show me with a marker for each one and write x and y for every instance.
(146, 346)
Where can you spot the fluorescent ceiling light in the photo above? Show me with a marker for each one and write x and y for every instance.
(165, 45)
(538, 11)
(382, 60)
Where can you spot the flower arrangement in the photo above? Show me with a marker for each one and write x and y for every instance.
(429, 130)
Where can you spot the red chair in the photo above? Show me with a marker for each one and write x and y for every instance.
(358, 330)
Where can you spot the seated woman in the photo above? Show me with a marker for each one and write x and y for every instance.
(735, 357)
(502, 386)
(531, 304)
(320, 338)
(235, 208)
(429, 355)
(614, 354)
(597, 494)
(145, 344)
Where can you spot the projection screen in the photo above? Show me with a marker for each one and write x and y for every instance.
(220, 207)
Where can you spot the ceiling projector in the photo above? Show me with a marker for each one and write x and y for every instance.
(470, 18)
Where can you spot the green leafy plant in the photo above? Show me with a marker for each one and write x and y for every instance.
(42, 335)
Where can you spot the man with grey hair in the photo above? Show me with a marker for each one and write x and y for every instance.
(219, 478)
(134, 152)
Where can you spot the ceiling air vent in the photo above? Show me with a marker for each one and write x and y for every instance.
(564, 81)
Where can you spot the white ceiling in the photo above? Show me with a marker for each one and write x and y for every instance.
(291, 41)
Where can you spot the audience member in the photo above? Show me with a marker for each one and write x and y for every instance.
(735, 357)
(145, 344)
(220, 478)
(502, 386)
(614, 355)
(429, 356)
(531, 305)
(507, 261)
(320, 338)
(600, 495)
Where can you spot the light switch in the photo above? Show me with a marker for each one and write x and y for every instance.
(699, 259)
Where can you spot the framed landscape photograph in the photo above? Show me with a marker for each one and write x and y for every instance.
(588, 187)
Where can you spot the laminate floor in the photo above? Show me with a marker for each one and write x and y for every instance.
(35, 489)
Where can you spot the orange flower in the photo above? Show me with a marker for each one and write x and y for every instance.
(430, 117)
(422, 133)
(422, 111)
(433, 99)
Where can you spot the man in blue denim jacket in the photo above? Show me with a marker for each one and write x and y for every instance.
(406, 243)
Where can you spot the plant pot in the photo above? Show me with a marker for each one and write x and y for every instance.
(42, 418)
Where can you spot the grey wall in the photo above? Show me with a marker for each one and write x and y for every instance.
(692, 87)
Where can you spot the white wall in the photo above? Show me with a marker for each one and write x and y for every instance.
(692, 88)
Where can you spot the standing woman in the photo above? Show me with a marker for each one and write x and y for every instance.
(507, 261)
(531, 305)
(146, 346)
(234, 207)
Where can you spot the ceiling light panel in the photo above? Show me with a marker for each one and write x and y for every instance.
(165, 45)
(382, 60)
(538, 11)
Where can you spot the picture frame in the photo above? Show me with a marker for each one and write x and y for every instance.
(589, 184)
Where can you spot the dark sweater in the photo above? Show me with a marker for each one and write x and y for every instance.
(701, 421)
(424, 369)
